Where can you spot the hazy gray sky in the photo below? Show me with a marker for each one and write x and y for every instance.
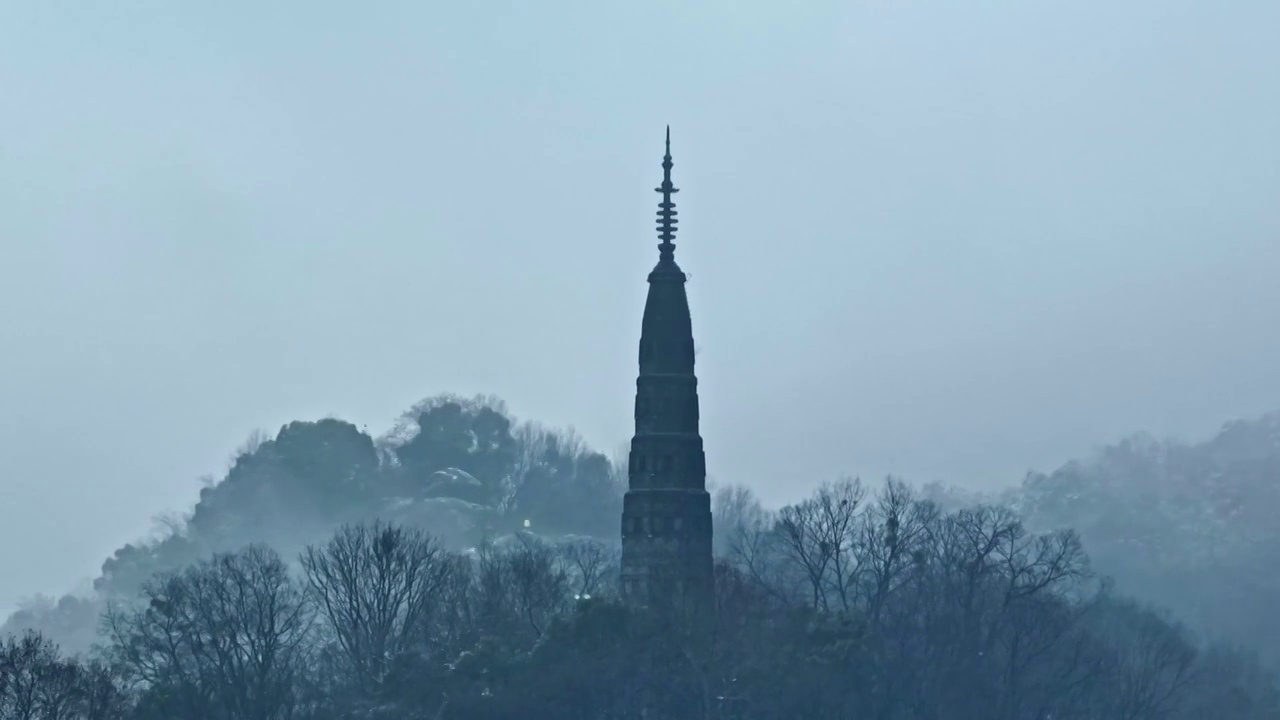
(951, 240)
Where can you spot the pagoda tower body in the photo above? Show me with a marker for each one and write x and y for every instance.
(666, 515)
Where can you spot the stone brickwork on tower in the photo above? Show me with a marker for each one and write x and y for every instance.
(666, 516)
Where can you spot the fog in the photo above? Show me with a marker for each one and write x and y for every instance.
(952, 241)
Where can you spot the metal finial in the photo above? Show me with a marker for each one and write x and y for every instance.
(667, 209)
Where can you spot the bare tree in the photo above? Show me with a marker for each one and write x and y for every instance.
(458, 623)
(539, 585)
(737, 512)
(101, 692)
(519, 588)
(819, 535)
(593, 565)
(227, 635)
(379, 588)
(757, 548)
(893, 536)
(37, 683)
(257, 438)
(23, 667)
(1149, 661)
(972, 615)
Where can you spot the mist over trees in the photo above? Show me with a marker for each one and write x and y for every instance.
(462, 469)
(1191, 526)
(332, 575)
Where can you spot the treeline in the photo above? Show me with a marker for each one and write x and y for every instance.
(463, 469)
(1189, 525)
(848, 605)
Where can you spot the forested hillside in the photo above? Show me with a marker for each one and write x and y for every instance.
(463, 470)
(465, 566)
(1193, 527)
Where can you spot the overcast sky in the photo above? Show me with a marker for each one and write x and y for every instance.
(950, 240)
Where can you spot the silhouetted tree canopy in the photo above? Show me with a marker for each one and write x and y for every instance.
(465, 566)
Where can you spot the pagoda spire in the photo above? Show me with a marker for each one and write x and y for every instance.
(667, 208)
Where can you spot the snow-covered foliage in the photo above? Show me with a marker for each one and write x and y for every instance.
(1192, 527)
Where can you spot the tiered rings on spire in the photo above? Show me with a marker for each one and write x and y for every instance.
(667, 209)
